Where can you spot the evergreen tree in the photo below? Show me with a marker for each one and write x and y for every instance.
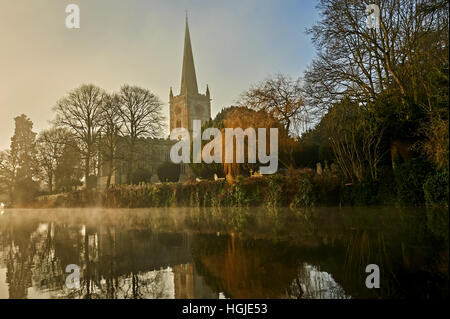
(23, 157)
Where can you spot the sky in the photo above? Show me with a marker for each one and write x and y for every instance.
(236, 43)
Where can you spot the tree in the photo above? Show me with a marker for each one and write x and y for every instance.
(436, 144)
(23, 160)
(397, 75)
(69, 171)
(204, 170)
(108, 142)
(243, 117)
(359, 62)
(314, 147)
(8, 170)
(23, 147)
(50, 146)
(81, 112)
(141, 114)
(355, 139)
(281, 97)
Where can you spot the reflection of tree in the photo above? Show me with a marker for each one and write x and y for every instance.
(306, 257)
(114, 263)
(18, 272)
(19, 257)
(311, 283)
(47, 270)
(244, 269)
(364, 248)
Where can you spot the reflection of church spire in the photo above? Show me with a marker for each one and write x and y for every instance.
(188, 77)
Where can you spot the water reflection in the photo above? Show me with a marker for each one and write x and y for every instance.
(316, 284)
(204, 253)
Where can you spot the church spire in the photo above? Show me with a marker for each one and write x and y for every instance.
(188, 77)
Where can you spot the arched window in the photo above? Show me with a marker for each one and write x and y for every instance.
(178, 124)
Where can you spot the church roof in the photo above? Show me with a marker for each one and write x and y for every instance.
(188, 77)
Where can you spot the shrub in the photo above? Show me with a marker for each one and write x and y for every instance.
(25, 191)
(327, 189)
(435, 189)
(91, 182)
(141, 175)
(410, 177)
(386, 185)
(169, 172)
(238, 196)
(274, 195)
(305, 194)
(207, 171)
(366, 192)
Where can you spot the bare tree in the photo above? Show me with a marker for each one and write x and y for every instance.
(50, 147)
(110, 134)
(81, 112)
(360, 62)
(281, 97)
(141, 114)
(355, 139)
(69, 170)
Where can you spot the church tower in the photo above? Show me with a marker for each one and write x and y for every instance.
(189, 105)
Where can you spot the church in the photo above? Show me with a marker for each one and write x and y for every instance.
(189, 105)
(185, 107)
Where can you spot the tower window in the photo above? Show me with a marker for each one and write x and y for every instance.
(178, 124)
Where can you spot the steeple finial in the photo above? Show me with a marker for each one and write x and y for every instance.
(188, 77)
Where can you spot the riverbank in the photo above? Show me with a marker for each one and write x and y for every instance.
(294, 189)
(304, 189)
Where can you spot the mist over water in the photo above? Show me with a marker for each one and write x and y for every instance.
(224, 253)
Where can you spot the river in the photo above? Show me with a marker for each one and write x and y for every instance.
(224, 253)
